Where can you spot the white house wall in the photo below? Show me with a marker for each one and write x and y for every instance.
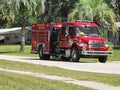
(12, 37)
(114, 38)
(15, 37)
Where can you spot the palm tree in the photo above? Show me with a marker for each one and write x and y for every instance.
(95, 10)
(6, 14)
(57, 10)
(26, 8)
(9, 9)
(81, 11)
(115, 4)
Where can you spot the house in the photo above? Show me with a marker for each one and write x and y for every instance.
(13, 36)
(114, 37)
(2, 39)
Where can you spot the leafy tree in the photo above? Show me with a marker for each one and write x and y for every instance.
(115, 4)
(94, 10)
(57, 10)
(9, 9)
(26, 8)
(6, 14)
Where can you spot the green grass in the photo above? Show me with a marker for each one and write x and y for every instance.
(103, 78)
(14, 50)
(116, 54)
(11, 81)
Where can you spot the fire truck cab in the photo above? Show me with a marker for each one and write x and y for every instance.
(70, 40)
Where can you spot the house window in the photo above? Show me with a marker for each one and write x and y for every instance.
(71, 31)
(7, 38)
(16, 37)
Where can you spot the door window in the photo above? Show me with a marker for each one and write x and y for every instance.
(65, 31)
(71, 31)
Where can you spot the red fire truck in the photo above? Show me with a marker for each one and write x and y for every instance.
(70, 40)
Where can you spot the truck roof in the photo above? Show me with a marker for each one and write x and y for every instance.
(80, 23)
(45, 26)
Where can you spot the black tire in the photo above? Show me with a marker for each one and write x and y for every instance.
(102, 59)
(41, 55)
(74, 56)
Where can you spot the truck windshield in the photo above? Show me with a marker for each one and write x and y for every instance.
(87, 31)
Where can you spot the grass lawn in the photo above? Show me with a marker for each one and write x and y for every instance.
(116, 54)
(14, 50)
(11, 81)
(103, 78)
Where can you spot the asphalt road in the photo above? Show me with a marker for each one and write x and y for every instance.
(111, 68)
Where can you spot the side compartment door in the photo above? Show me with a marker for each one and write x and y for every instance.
(34, 41)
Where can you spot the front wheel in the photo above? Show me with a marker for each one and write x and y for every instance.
(102, 59)
(74, 56)
(41, 55)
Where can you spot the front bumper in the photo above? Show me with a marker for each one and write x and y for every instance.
(97, 53)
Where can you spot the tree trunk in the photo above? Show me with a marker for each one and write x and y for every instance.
(22, 47)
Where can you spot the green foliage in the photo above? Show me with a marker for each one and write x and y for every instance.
(57, 10)
(95, 10)
(11, 10)
(61, 10)
(6, 13)
(116, 47)
(31, 20)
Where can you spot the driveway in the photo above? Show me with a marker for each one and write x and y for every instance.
(111, 68)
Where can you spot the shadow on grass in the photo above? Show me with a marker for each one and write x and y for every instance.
(116, 47)
(7, 52)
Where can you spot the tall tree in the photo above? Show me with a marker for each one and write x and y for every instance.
(95, 10)
(6, 14)
(57, 10)
(115, 4)
(26, 8)
(9, 9)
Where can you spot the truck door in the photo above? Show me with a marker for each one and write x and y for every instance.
(66, 36)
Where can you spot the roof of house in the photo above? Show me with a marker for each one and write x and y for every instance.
(3, 31)
(117, 24)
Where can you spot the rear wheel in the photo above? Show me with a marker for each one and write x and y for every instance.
(102, 59)
(74, 56)
(42, 55)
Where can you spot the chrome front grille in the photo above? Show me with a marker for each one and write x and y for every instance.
(96, 44)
